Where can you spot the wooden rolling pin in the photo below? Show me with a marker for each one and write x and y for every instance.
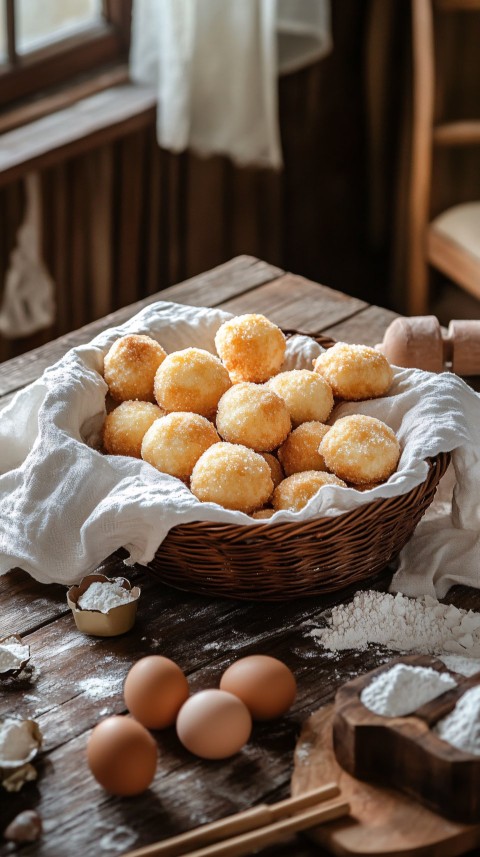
(419, 342)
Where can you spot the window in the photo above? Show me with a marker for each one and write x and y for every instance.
(45, 43)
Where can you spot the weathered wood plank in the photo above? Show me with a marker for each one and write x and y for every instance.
(95, 120)
(66, 664)
(365, 328)
(26, 604)
(293, 301)
(239, 275)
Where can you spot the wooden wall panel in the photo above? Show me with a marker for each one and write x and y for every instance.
(128, 219)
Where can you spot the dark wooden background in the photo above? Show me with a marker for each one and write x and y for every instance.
(127, 219)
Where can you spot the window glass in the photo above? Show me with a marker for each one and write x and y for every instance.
(3, 35)
(40, 22)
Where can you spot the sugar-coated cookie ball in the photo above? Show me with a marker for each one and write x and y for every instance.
(125, 427)
(300, 450)
(251, 347)
(254, 416)
(175, 443)
(130, 365)
(295, 491)
(232, 476)
(276, 471)
(355, 372)
(361, 449)
(263, 514)
(306, 394)
(191, 380)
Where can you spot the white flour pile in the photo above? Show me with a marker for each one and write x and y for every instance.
(461, 727)
(103, 596)
(403, 689)
(460, 665)
(12, 655)
(402, 624)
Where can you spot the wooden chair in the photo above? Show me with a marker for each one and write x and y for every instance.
(451, 242)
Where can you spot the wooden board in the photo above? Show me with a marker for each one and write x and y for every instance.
(382, 822)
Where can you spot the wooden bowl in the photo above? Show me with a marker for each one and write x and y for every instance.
(405, 752)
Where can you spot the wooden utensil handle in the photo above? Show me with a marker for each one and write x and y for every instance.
(254, 839)
(250, 819)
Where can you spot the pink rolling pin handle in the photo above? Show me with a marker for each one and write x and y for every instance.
(414, 342)
(464, 340)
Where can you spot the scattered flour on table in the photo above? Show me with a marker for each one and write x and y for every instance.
(403, 689)
(400, 623)
(118, 840)
(461, 727)
(103, 596)
(12, 655)
(101, 688)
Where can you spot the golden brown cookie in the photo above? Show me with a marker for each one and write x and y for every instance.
(175, 443)
(191, 380)
(361, 449)
(130, 365)
(251, 347)
(295, 491)
(125, 427)
(254, 416)
(355, 372)
(232, 476)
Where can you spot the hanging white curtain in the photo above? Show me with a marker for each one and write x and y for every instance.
(215, 66)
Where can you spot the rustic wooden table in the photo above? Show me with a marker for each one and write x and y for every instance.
(74, 681)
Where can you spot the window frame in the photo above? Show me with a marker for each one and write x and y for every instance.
(27, 75)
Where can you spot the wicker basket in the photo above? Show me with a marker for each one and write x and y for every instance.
(278, 562)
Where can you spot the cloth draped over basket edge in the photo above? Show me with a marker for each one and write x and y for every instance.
(64, 506)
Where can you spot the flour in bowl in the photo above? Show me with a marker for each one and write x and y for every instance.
(401, 624)
(461, 665)
(461, 727)
(104, 596)
(403, 688)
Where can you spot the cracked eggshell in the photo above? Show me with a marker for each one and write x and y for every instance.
(16, 769)
(117, 621)
(14, 780)
(6, 671)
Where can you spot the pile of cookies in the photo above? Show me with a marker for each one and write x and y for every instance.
(240, 432)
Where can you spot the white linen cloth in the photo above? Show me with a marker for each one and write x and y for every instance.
(64, 506)
(215, 65)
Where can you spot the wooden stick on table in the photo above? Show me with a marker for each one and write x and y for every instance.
(264, 821)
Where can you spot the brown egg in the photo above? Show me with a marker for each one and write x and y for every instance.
(122, 756)
(214, 724)
(155, 690)
(266, 685)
